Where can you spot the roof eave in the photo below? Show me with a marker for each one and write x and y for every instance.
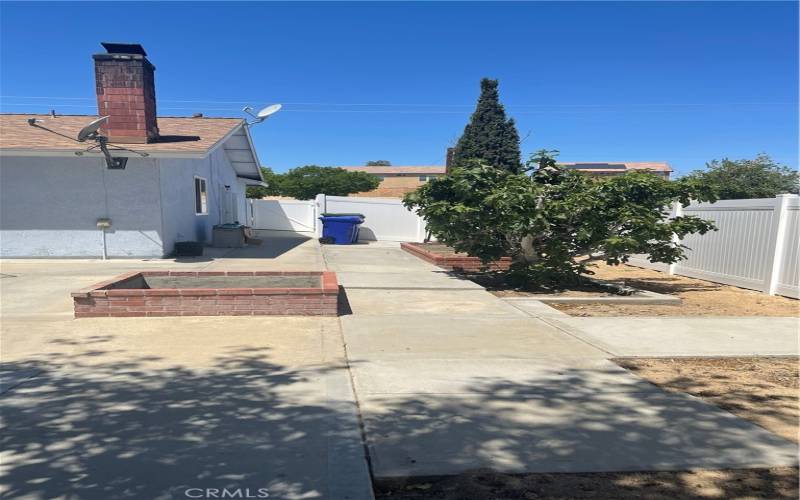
(252, 182)
(91, 154)
(246, 130)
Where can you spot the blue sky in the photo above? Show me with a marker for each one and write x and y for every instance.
(636, 81)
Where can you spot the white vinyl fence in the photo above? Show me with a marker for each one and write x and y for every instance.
(755, 246)
(386, 218)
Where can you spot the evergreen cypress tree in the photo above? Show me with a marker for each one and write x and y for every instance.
(489, 136)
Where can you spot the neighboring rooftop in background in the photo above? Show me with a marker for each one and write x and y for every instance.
(178, 135)
(617, 167)
(597, 168)
(399, 170)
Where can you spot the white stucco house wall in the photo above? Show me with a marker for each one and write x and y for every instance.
(53, 192)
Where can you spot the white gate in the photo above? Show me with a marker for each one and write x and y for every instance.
(283, 215)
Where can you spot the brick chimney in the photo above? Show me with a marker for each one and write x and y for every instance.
(126, 93)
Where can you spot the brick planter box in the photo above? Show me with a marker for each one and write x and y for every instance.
(458, 262)
(131, 294)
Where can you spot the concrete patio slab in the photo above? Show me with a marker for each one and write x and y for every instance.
(48, 282)
(242, 402)
(531, 378)
(370, 302)
(279, 251)
(458, 337)
(500, 427)
(151, 407)
(189, 341)
(372, 258)
(436, 280)
(690, 336)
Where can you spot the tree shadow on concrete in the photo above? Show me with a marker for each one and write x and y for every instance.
(83, 427)
(566, 420)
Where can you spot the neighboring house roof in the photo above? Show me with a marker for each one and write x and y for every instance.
(611, 167)
(605, 167)
(178, 137)
(381, 170)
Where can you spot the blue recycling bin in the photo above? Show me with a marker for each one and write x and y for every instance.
(341, 229)
(357, 227)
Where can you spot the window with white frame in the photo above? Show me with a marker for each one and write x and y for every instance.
(200, 196)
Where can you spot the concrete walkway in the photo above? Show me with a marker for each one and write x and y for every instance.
(675, 336)
(450, 379)
(151, 408)
(687, 336)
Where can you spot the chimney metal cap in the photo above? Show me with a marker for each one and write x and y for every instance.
(123, 48)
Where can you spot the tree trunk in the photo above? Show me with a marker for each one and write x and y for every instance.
(527, 254)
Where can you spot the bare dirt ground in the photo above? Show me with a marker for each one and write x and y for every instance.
(762, 390)
(776, 483)
(699, 298)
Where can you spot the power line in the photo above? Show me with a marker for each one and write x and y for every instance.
(363, 111)
(428, 105)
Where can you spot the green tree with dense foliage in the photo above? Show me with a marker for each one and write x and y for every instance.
(760, 177)
(490, 136)
(272, 188)
(555, 222)
(304, 183)
(379, 163)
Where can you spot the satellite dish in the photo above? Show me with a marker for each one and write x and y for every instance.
(90, 131)
(263, 114)
(269, 110)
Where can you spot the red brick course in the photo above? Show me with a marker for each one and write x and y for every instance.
(101, 300)
(456, 262)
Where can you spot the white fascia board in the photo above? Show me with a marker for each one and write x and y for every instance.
(253, 150)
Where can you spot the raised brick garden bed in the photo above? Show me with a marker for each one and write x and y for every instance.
(454, 261)
(231, 293)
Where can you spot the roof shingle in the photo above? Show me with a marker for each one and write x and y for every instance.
(177, 134)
